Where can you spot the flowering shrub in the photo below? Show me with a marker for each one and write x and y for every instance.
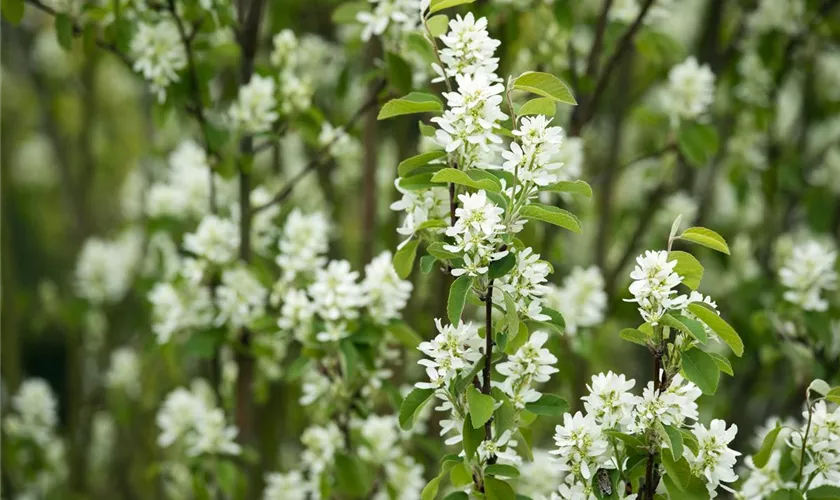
(350, 250)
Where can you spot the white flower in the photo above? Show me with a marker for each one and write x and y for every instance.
(468, 49)
(175, 310)
(451, 350)
(213, 435)
(806, 273)
(405, 14)
(380, 435)
(335, 293)
(476, 214)
(385, 293)
(713, 461)
(254, 109)
(405, 477)
(672, 407)
(782, 15)
(240, 298)
(284, 44)
(525, 283)
(531, 364)
(296, 312)
(420, 206)
(288, 486)
(124, 372)
(295, 92)
(610, 400)
(321, 445)
(158, 55)
(303, 244)
(538, 478)
(761, 483)
(215, 239)
(581, 447)
(105, 268)
(501, 447)
(690, 90)
(652, 288)
(581, 299)
(178, 416)
(36, 412)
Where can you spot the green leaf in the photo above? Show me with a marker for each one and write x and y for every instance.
(349, 358)
(719, 326)
(460, 475)
(819, 386)
(432, 224)
(539, 106)
(441, 253)
(415, 102)
(678, 470)
(457, 495)
(408, 165)
(698, 143)
(722, 363)
(438, 25)
(674, 438)
(557, 322)
(411, 405)
(511, 317)
(635, 336)
(824, 492)
(546, 85)
(404, 333)
(688, 267)
(548, 405)
(430, 491)
(552, 215)
(399, 72)
(496, 489)
(761, 457)
(202, 344)
(688, 326)
(834, 395)
(351, 476)
(574, 187)
(438, 5)
(472, 438)
(693, 490)
(458, 298)
(701, 369)
(501, 470)
(13, 10)
(64, 31)
(474, 178)
(787, 494)
(427, 263)
(404, 258)
(628, 439)
(501, 267)
(481, 406)
(705, 237)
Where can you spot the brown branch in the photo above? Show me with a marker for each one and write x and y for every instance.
(321, 155)
(488, 359)
(598, 43)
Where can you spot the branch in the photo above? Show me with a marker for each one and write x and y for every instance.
(321, 155)
(598, 43)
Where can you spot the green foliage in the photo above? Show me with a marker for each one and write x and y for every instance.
(705, 237)
(552, 215)
(404, 258)
(701, 369)
(548, 405)
(698, 143)
(726, 333)
(688, 267)
(545, 85)
(458, 298)
(538, 106)
(761, 457)
(415, 102)
(474, 178)
(411, 406)
(481, 407)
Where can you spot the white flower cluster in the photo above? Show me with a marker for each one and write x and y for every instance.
(531, 159)
(385, 293)
(468, 49)
(180, 308)
(807, 273)
(159, 55)
(453, 349)
(216, 240)
(124, 371)
(822, 454)
(419, 207)
(240, 298)
(403, 14)
(255, 108)
(31, 440)
(653, 284)
(690, 91)
(303, 244)
(584, 447)
(190, 420)
(478, 233)
(105, 268)
(581, 299)
(525, 284)
(530, 365)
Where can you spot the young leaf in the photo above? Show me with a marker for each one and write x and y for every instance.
(460, 475)
(761, 457)
(481, 406)
(539, 106)
(719, 326)
(438, 5)
(404, 258)
(705, 237)
(408, 165)
(698, 143)
(415, 102)
(824, 492)
(511, 317)
(441, 253)
(788, 494)
(496, 489)
(701, 369)
(64, 31)
(458, 298)
(635, 336)
(546, 85)
(472, 438)
(548, 405)
(427, 263)
(352, 476)
(688, 267)
(678, 470)
(13, 10)
(688, 326)
(473, 178)
(501, 470)
(722, 363)
(556, 323)
(437, 25)
(501, 267)
(457, 495)
(411, 405)
(552, 215)
(674, 438)
(430, 491)
(574, 187)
